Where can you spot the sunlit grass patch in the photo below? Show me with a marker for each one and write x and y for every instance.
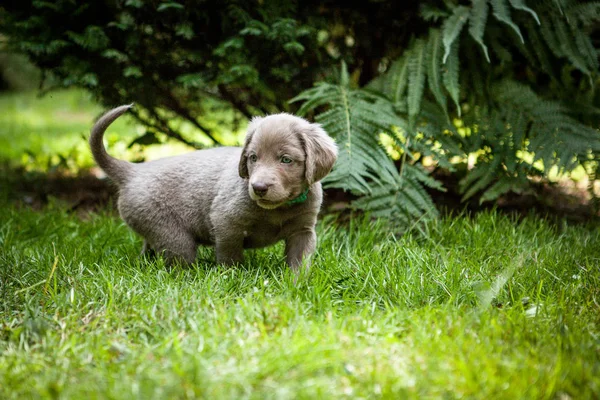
(50, 132)
(483, 307)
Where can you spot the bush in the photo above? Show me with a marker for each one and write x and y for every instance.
(507, 85)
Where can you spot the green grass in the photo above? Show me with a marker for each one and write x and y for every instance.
(483, 307)
(50, 133)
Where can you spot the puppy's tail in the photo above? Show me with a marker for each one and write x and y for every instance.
(118, 170)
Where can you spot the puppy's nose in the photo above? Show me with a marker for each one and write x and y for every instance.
(260, 188)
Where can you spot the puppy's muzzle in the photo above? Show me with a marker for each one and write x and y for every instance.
(260, 188)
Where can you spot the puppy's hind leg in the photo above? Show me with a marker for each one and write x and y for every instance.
(176, 247)
(148, 251)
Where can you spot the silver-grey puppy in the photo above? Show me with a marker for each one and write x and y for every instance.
(230, 197)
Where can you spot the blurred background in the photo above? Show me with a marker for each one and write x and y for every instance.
(436, 105)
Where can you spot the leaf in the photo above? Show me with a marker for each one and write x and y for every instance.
(171, 5)
(502, 13)
(344, 77)
(480, 178)
(431, 13)
(520, 5)
(353, 117)
(477, 21)
(452, 27)
(416, 79)
(185, 30)
(90, 79)
(192, 80)
(451, 75)
(294, 48)
(393, 83)
(134, 3)
(132, 71)
(115, 55)
(504, 185)
(567, 46)
(434, 72)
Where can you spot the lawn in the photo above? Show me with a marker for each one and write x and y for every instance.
(477, 306)
(483, 307)
(50, 133)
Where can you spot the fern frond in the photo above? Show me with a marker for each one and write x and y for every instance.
(434, 71)
(404, 200)
(567, 46)
(555, 137)
(479, 178)
(477, 21)
(354, 118)
(416, 80)
(539, 48)
(452, 27)
(504, 185)
(520, 5)
(451, 76)
(586, 13)
(502, 13)
(394, 81)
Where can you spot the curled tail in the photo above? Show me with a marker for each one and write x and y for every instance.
(115, 169)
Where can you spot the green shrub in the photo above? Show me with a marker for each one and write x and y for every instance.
(521, 84)
(507, 85)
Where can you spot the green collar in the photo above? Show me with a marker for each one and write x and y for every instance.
(300, 199)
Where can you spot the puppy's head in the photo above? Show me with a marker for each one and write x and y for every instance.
(282, 156)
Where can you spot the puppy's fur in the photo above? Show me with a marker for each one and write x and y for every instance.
(230, 197)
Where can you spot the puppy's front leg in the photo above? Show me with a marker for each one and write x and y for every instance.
(229, 250)
(298, 246)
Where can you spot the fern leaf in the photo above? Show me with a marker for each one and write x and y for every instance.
(503, 186)
(520, 5)
(550, 38)
(394, 81)
(452, 27)
(354, 118)
(540, 49)
(416, 80)
(586, 48)
(502, 13)
(565, 39)
(451, 75)
(554, 137)
(403, 201)
(344, 77)
(399, 79)
(434, 73)
(477, 21)
(486, 176)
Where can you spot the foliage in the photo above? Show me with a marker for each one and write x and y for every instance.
(507, 84)
(355, 117)
(171, 57)
(531, 106)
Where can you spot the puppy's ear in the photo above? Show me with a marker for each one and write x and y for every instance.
(252, 127)
(321, 152)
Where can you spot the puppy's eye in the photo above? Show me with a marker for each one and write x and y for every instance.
(286, 160)
(253, 157)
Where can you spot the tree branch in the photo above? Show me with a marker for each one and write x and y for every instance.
(175, 106)
(163, 127)
(241, 107)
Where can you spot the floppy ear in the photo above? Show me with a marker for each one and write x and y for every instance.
(252, 127)
(321, 152)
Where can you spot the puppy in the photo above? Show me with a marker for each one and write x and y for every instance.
(229, 197)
